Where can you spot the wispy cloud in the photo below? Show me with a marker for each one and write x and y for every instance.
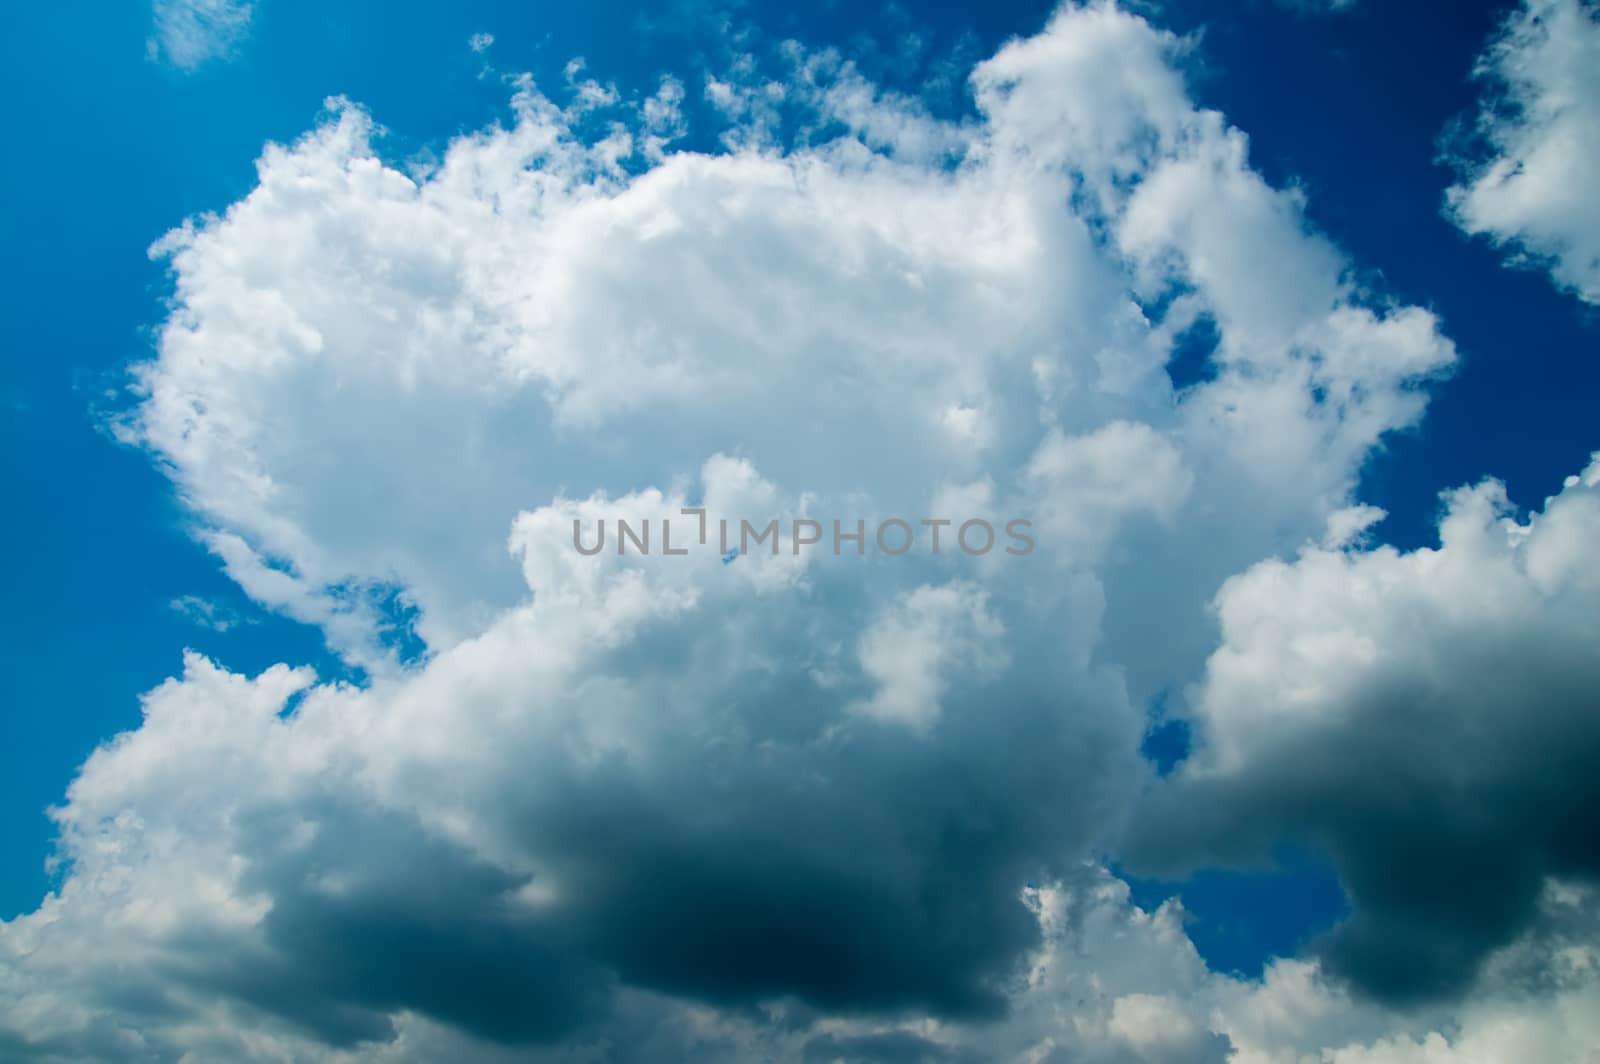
(205, 613)
(191, 33)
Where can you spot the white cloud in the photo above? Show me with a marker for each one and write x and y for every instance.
(465, 341)
(911, 650)
(190, 33)
(206, 613)
(876, 781)
(1427, 718)
(1540, 119)
(1087, 486)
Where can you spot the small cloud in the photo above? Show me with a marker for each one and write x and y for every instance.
(1520, 178)
(188, 33)
(480, 42)
(205, 613)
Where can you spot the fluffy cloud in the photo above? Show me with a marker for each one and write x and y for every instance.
(649, 807)
(534, 303)
(190, 33)
(910, 652)
(1541, 123)
(1428, 718)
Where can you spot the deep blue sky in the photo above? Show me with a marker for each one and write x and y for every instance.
(109, 149)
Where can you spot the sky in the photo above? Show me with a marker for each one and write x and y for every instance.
(1276, 321)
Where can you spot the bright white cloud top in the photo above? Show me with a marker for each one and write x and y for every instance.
(1541, 119)
(883, 787)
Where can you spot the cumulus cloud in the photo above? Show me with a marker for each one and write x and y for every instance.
(802, 806)
(1428, 718)
(1540, 123)
(191, 33)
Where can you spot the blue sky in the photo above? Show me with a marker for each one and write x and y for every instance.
(1358, 119)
